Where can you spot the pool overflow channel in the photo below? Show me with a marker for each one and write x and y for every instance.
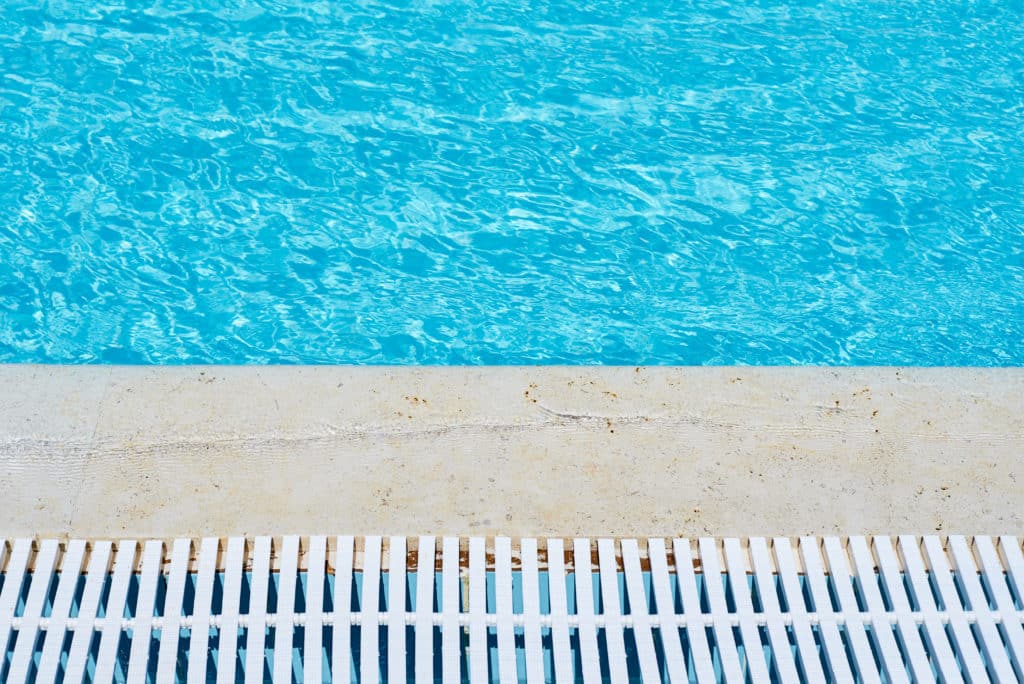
(865, 609)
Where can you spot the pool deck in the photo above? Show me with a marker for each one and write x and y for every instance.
(101, 451)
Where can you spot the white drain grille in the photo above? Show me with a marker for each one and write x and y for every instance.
(373, 609)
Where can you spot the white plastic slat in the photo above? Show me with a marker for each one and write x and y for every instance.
(881, 627)
(284, 623)
(425, 551)
(639, 610)
(477, 610)
(227, 652)
(369, 606)
(992, 571)
(967, 649)
(42, 575)
(839, 568)
(889, 570)
(908, 635)
(612, 610)
(828, 628)
(1013, 559)
(695, 626)
(560, 647)
(313, 635)
(396, 609)
(991, 643)
(451, 632)
(721, 620)
(736, 571)
(764, 576)
(532, 645)
(256, 634)
(790, 581)
(669, 630)
(341, 642)
(935, 631)
(503, 610)
(145, 605)
(114, 611)
(95, 579)
(199, 639)
(12, 588)
(167, 657)
(6, 624)
(71, 568)
(590, 658)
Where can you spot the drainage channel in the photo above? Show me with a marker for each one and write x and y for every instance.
(480, 609)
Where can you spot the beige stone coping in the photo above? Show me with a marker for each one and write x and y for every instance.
(108, 452)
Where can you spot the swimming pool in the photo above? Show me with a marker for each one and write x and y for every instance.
(512, 182)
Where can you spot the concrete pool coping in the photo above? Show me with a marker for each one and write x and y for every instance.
(108, 451)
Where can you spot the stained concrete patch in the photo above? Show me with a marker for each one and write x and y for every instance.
(48, 418)
(179, 451)
(50, 403)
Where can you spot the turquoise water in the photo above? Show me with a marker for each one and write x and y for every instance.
(512, 182)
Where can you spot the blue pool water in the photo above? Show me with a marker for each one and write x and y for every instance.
(517, 181)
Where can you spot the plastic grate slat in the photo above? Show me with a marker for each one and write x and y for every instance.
(590, 658)
(966, 650)
(728, 651)
(45, 563)
(695, 632)
(559, 611)
(201, 611)
(532, 645)
(451, 632)
(991, 643)
(503, 596)
(284, 628)
(396, 610)
(764, 575)
(341, 646)
(910, 637)
(149, 578)
(257, 615)
(11, 591)
(96, 577)
(424, 645)
(369, 606)
(807, 648)
(934, 630)
(477, 611)
(639, 610)
(612, 611)
(668, 628)
(114, 611)
(839, 569)
(313, 634)
(993, 573)
(749, 632)
(234, 564)
(71, 566)
(814, 575)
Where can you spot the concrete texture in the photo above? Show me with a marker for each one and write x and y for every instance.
(188, 451)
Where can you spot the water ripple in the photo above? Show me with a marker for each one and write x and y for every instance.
(512, 182)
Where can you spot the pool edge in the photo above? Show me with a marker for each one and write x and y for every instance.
(109, 451)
